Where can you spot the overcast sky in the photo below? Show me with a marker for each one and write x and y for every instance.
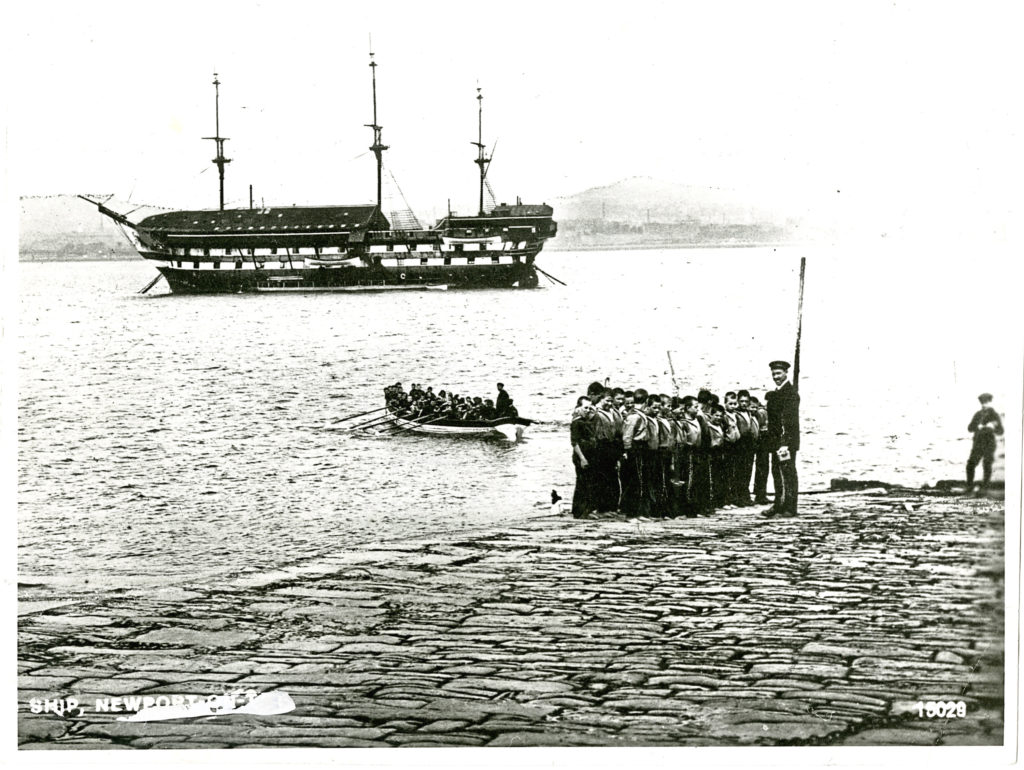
(892, 116)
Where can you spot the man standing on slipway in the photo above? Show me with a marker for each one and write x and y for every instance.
(783, 439)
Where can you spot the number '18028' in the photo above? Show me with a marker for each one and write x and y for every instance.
(941, 709)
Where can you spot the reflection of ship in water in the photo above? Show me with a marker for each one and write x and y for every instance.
(341, 248)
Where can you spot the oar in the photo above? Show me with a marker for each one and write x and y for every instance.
(359, 414)
(405, 428)
(549, 276)
(379, 423)
(375, 421)
(422, 420)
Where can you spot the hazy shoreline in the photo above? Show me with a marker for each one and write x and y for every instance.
(680, 245)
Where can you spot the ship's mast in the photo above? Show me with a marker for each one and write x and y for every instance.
(482, 160)
(377, 147)
(220, 160)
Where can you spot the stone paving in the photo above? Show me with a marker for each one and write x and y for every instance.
(731, 630)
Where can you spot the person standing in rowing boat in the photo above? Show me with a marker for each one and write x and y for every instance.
(502, 401)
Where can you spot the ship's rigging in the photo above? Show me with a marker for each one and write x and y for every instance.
(399, 211)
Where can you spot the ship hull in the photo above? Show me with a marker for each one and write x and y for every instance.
(295, 279)
(335, 248)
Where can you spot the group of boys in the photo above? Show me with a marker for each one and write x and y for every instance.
(661, 456)
(423, 404)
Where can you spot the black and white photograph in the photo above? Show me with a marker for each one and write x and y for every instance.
(418, 384)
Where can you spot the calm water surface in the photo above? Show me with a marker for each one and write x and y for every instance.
(168, 439)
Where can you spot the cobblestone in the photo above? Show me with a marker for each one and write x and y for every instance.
(825, 629)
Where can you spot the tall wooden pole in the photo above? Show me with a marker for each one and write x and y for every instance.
(672, 370)
(799, 326)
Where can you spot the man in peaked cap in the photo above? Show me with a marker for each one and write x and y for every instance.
(985, 425)
(783, 439)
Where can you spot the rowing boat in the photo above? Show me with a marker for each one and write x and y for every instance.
(510, 428)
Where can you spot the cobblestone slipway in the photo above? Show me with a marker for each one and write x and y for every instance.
(733, 630)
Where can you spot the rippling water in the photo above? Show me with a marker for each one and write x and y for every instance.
(167, 438)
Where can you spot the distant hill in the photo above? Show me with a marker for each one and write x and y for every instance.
(644, 212)
(638, 200)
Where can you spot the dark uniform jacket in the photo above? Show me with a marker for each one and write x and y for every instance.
(783, 418)
(582, 433)
(985, 438)
(501, 402)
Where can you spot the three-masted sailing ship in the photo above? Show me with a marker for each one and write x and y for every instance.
(340, 248)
